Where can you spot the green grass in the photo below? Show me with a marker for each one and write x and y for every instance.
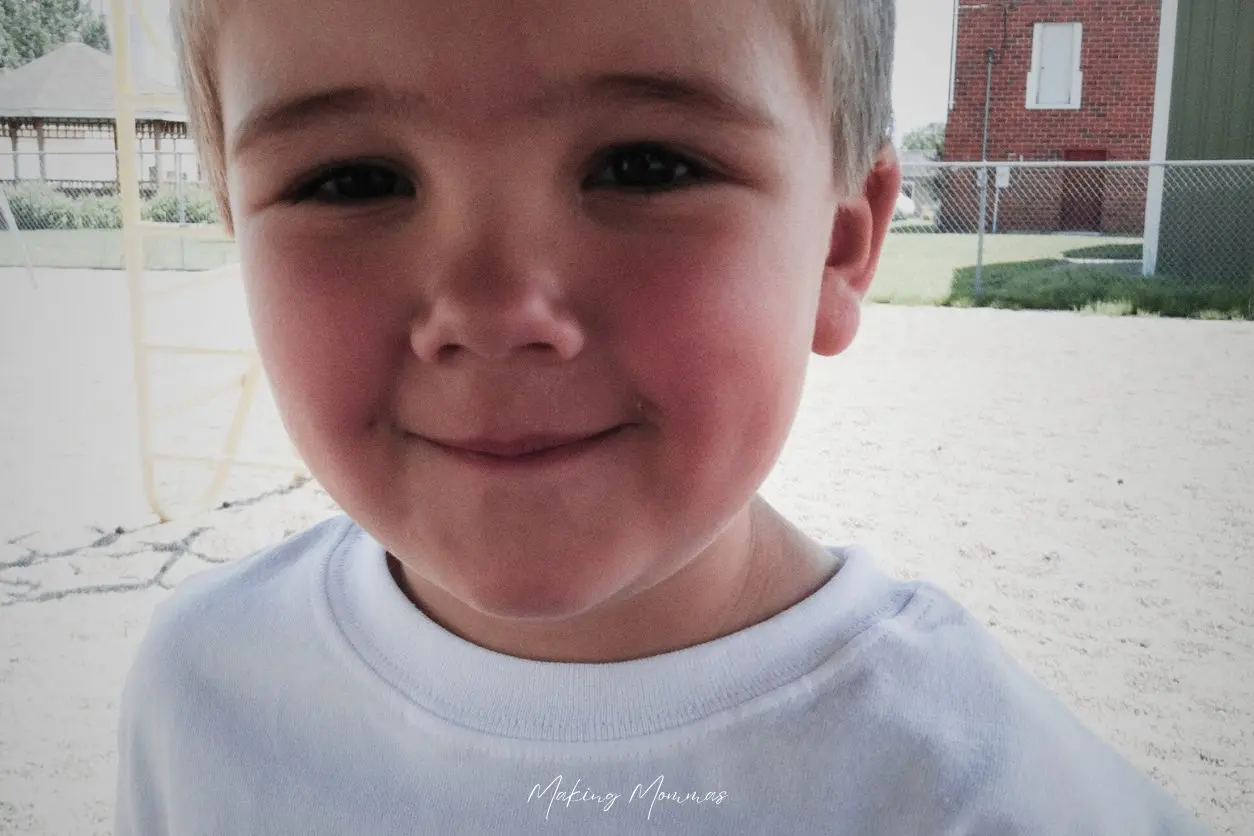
(1119, 307)
(1052, 284)
(1029, 272)
(919, 269)
(102, 249)
(1116, 252)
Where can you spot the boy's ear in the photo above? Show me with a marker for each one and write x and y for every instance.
(858, 234)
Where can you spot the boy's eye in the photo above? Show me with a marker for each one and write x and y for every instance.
(646, 167)
(355, 183)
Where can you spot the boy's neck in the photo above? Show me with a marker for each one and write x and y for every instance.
(758, 567)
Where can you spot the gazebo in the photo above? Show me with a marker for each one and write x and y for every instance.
(67, 97)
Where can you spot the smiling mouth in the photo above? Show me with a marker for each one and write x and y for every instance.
(524, 449)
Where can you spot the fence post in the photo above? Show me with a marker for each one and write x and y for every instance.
(10, 222)
(983, 178)
(178, 184)
(979, 247)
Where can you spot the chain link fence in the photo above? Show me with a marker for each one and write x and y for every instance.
(1023, 234)
(72, 216)
(1182, 230)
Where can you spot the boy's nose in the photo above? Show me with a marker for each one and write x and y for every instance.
(502, 298)
(495, 330)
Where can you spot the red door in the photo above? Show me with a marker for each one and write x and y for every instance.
(1083, 192)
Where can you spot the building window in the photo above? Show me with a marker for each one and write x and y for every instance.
(1055, 80)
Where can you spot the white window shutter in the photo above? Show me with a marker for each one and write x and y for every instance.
(1054, 79)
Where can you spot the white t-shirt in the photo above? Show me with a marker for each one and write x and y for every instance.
(299, 692)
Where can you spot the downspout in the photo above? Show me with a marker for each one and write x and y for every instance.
(953, 60)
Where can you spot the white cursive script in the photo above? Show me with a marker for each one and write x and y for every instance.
(555, 793)
(659, 794)
(574, 795)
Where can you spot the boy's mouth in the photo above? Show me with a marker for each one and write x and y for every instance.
(525, 448)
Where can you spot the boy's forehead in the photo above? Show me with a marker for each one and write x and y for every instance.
(489, 56)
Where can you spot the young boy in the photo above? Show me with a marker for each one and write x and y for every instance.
(535, 283)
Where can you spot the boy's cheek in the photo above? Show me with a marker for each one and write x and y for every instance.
(719, 348)
(321, 335)
(728, 307)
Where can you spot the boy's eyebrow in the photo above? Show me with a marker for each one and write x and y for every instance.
(708, 98)
(291, 115)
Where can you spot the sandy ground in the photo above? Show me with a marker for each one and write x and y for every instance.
(1084, 484)
(69, 443)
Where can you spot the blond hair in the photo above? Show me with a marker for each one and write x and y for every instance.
(847, 47)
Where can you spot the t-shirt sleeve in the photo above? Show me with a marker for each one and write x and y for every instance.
(143, 742)
(163, 687)
(1041, 769)
(173, 696)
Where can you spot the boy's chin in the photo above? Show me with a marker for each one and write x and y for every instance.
(529, 588)
(534, 603)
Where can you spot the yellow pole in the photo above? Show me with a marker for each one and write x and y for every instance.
(134, 230)
(132, 238)
(236, 432)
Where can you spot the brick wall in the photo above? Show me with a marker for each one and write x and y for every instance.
(1119, 60)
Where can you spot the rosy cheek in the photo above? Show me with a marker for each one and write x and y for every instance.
(709, 320)
(324, 339)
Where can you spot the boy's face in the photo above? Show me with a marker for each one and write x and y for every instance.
(535, 282)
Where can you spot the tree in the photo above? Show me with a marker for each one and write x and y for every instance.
(94, 32)
(927, 138)
(31, 28)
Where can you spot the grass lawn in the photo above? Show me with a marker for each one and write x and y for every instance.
(1120, 252)
(1053, 284)
(102, 249)
(918, 269)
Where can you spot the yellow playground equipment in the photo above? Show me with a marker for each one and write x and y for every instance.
(135, 232)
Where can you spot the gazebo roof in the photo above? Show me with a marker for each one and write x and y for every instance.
(74, 83)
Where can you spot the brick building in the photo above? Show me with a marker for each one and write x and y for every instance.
(1118, 80)
(1071, 80)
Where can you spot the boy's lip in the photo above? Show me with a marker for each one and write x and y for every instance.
(513, 447)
